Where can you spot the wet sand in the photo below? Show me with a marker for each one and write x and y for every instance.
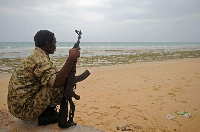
(140, 94)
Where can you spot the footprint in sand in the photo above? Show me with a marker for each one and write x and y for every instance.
(127, 118)
(94, 108)
(158, 99)
(95, 101)
(117, 113)
(183, 78)
(79, 118)
(132, 90)
(115, 107)
(180, 101)
(163, 103)
(144, 117)
(134, 107)
(145, 81)
(171, 94)
(150, 96)
(100, 79)
(84, 105)
(156, 89)
(161, 108)
(178, 90)
(196, 77)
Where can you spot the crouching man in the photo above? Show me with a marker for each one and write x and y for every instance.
(36, 87)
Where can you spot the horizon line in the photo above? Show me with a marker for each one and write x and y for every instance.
(105, 41)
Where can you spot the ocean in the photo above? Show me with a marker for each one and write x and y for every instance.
(23, 49)
(101, 53)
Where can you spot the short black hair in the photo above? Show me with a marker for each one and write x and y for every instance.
(42, 36)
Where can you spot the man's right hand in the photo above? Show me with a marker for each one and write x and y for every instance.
(74, 53)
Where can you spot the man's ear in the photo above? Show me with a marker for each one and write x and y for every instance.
(47, 44)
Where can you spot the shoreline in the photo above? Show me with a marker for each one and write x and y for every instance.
(140, 94)
(8, 64)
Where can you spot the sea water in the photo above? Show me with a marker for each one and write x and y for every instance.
(101, 53)
(23, 49)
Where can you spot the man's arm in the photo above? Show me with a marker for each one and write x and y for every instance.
(61, 76)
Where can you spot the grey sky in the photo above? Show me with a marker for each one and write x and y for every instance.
(101, 20)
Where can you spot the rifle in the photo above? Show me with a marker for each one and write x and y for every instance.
(69, 87)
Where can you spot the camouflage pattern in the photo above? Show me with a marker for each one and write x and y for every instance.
(30, 89)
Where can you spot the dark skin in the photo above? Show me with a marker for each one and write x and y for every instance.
(74, 53)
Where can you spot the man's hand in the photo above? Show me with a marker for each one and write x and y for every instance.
(74, 53)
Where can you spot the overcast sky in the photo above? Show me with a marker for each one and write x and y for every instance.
(101, 20)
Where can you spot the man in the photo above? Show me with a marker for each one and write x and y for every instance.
(36, 87)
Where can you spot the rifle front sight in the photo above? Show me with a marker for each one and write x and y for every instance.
(76, 45)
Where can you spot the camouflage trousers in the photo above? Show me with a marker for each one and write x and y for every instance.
(47, 96)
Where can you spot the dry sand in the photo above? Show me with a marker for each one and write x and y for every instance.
(140, 94)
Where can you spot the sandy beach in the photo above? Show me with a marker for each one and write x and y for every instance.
(140, 94)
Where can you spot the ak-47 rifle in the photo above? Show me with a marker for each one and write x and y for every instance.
(69, 87)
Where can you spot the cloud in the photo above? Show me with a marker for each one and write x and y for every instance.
(111, 20)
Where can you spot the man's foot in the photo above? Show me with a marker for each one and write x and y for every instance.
(49, 116)
(68, 124)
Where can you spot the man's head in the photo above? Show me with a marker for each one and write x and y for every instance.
(46, 41)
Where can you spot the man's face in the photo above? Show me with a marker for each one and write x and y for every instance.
(52, 48)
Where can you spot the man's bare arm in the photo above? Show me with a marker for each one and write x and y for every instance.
(63, 73)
